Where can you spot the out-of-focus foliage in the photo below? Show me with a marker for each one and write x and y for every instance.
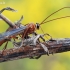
(36, 11)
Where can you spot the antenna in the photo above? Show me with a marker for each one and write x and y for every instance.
(53, 14)
(55, 19)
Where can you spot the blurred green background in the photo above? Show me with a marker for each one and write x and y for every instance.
(36, 11)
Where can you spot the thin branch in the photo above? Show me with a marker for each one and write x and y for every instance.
(54, 46)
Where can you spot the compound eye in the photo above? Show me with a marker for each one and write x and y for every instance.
(37, 25)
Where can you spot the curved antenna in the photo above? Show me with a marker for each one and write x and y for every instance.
(55, 19)
(52, 14)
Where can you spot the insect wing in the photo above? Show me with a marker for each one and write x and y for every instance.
(12, 33)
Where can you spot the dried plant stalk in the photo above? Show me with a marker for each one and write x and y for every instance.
(55, 46)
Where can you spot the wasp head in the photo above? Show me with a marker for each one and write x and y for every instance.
(37, 26)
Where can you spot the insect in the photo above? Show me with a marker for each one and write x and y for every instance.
(23, 31)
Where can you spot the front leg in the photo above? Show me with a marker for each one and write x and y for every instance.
(36, 39)
(34, 33)
(41, 36)
(42, 45)
(45, 48)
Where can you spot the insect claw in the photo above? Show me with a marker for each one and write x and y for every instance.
(35, 40)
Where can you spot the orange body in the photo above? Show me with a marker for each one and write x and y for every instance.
(31, 27)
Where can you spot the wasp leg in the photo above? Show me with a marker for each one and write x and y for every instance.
(34, 33)
(20, 19)
(48, 35)
(21, 43)
(45, 48)
(15, 45)
(36, 57)
(36, 38)
(4, 48)
(18, 23)
(5, 45)
(42, 45)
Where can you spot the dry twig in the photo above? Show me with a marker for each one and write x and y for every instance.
(55, 46)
